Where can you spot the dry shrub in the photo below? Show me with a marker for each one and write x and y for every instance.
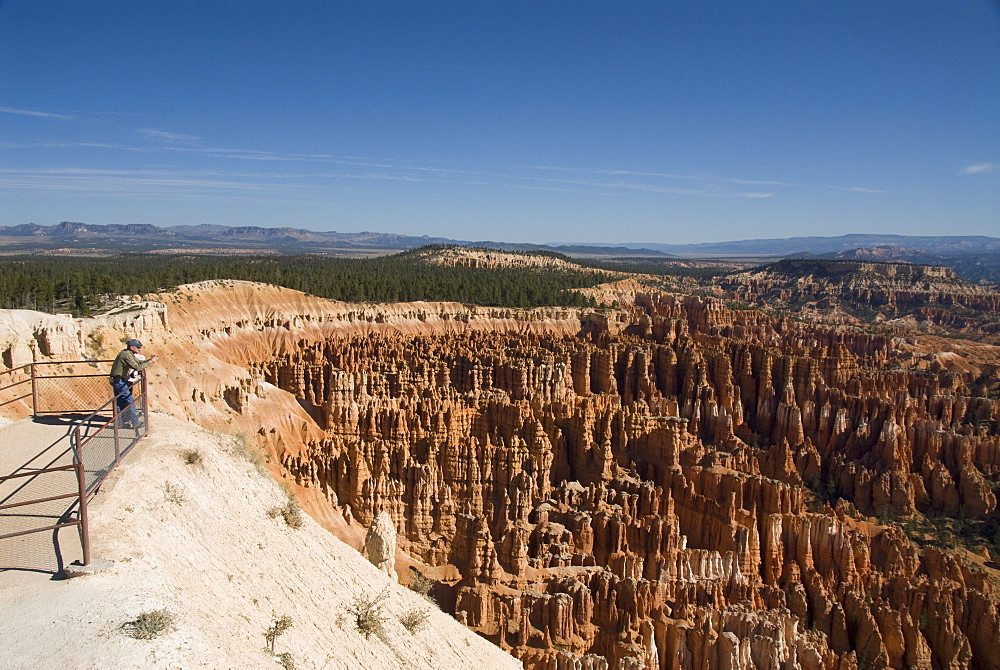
(174, 493)
(414, 619)
(291, 512)
(243, 448)
(278, 627)
(149, 625)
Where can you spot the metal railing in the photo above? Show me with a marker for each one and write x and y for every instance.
(72, 384)
(97, 444)
(9, 383)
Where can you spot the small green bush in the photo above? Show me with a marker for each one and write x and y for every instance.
(421, 584)
(368, 615)
(193, 457)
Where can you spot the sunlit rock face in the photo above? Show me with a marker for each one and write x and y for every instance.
(380, 544)
(691, 487)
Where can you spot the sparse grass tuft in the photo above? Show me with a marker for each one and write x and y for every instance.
(414, 619)
(149, 625)
(243, 447)
(193, 457)
(368, 615)
(291, 512)
(174, 493)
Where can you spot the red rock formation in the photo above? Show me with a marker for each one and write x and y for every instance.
(639, 499)
(930, 298)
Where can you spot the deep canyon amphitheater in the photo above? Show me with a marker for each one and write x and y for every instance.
(664, 481)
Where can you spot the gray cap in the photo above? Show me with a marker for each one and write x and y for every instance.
(134, 343)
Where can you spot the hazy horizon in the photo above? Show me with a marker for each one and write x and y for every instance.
(681, 123)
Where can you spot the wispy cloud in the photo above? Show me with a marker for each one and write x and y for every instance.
(163, 135)
(345, 170)
(35, 113)
(709, 189)
(857, 189)
(759, 182)
(56, 145)
(976, 168)
(156, 184)
(661, 175)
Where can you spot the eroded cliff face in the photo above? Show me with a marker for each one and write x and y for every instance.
(669, 484)
(925, 297)
(651, 496)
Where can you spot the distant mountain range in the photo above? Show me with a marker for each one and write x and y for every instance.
(947, 245)
(144, 237)
(139, 237)
(974, 258)
(211, 233)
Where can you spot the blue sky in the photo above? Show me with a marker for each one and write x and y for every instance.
(542, 121)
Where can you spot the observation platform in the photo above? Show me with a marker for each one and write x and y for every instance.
(52, 463)
(31, 445)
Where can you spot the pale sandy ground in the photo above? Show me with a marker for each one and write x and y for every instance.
(211, 555)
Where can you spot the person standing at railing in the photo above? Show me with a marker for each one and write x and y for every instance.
(125, 363)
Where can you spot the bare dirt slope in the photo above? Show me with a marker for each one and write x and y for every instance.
(198, 541)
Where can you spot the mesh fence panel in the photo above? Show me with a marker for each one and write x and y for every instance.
(98, 456)
(46, 551)
(129, 436)
(36, 514)
(34, 487)
(98, 444)
(72, 368)
(15, 385)
(64, 388)
(41, 485)
(72, 394)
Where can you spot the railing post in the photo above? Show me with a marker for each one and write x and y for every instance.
(118, 449)
(145, 406)
(34, 392)
(81, 478)
(115, 416)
